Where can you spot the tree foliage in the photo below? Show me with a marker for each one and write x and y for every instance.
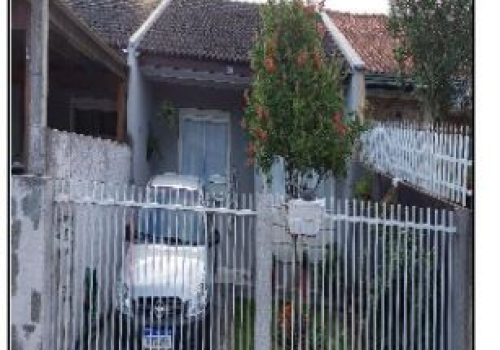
(436, 37)
(295, 106)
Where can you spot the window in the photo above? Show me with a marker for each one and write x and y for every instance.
(204, 143)
(93, 117)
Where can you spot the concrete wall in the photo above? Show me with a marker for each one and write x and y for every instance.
(30, 256)
(87, 158)
(184, 96)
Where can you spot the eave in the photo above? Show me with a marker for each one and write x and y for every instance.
(79, 35)
(387, 81)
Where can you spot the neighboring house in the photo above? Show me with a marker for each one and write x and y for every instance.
(370, 39)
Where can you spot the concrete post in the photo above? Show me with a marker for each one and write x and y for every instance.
(263, 288)
(357, 92)
(31, 282)
(38, 75)
(355, 104)
(462, 279)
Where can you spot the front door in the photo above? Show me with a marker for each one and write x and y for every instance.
(204, 143)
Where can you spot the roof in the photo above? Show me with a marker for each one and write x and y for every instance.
(113, 20)
(207, 29)
(368, 35)
(221, 30)
(65, 22)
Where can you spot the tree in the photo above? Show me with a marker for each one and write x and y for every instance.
(295, 106)
(435, 37)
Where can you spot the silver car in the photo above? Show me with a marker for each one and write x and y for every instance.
(164, 297)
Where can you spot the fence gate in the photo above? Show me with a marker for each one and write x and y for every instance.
(375, 277)
(148, 269)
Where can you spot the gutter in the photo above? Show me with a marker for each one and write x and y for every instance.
(139, 34)
(352, 57)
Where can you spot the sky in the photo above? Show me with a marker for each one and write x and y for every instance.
(356, 6)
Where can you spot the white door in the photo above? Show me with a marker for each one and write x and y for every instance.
(204, 144)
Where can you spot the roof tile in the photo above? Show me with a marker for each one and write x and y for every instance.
(370, 38)
(114, 20)
(207, 29)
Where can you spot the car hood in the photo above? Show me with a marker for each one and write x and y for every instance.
(163, 270)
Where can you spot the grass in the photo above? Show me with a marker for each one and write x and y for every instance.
(244, 317)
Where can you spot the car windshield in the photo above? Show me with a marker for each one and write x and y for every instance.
(174, 195)
(170, 227)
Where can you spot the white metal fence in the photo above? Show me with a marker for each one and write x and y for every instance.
(149, 269)
(435, 159)
(375, 277)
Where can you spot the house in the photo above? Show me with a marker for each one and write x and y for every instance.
(368, 36)
(194, 56)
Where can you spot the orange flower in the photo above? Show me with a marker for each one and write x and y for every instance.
(260, 112)
(341, 129)
(271, 47)
(321, 29)
(260, 134)
(270, 65)
(288, 310)
(310, 9)
(301, 59)
(317, 60)
(251, 149)
(263, 135)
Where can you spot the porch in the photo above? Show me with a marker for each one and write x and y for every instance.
(66, 84)
(187, 119)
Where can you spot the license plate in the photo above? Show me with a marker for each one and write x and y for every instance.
(157, 339)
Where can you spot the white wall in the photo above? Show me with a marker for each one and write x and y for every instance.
(138, 115)
(87, 158)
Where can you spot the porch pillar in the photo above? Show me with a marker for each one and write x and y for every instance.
(356, 94)
(38, 81)
(356, 105)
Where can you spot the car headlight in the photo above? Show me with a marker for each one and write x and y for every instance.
(123, 296)
(197, 305)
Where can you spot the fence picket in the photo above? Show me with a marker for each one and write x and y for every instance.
(434, 158)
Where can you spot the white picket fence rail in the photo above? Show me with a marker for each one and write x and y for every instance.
(436, 159)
